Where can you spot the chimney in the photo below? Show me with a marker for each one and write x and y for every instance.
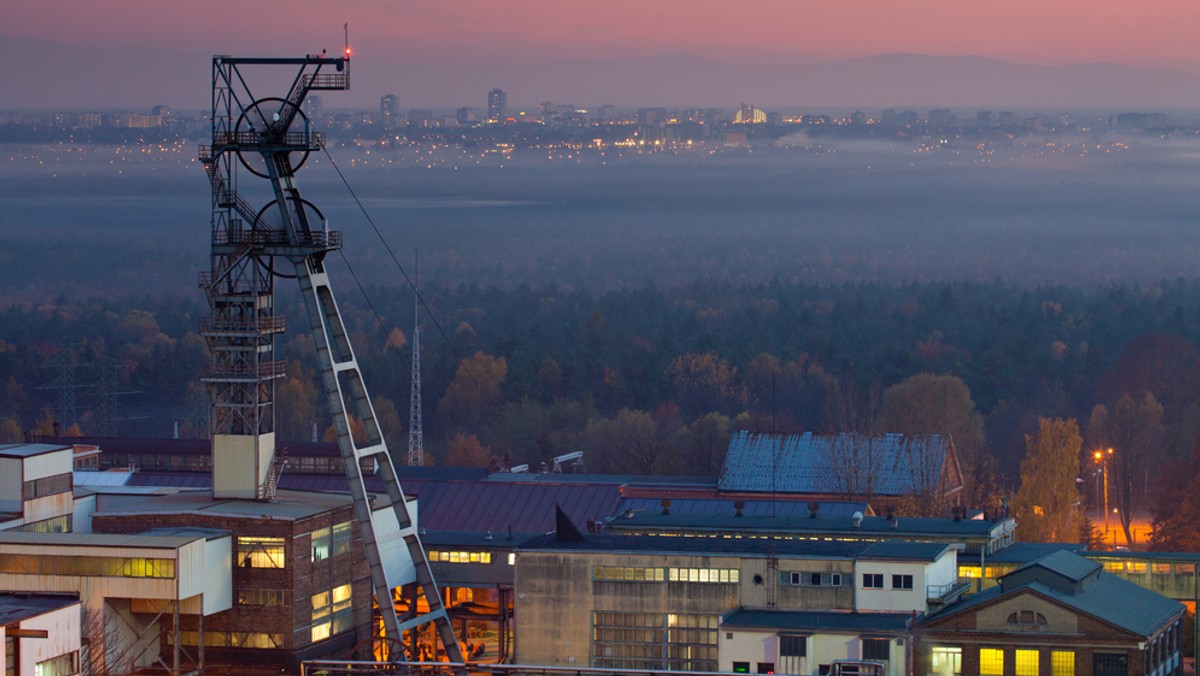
(738, 507)
(666, 505)
(812, 509)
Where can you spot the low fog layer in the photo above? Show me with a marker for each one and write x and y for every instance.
(109, 221)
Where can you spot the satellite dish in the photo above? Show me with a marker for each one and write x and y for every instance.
(857, 518)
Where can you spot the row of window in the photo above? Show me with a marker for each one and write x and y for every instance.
(87, 566)
(230, 639)
(51, 485)
(1124, 566)
(796, 645)
(948, 661)
(875, 581)
(267, 598)
(445, 556)
(815, 579)
(645, 574)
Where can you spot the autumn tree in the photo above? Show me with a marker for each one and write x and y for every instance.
(297, 404)
(930, 404)
(704, 383)
(10, 431)
(475, 391)
(465, 450)
(704, 443)
(358, 431)
(1134, 430)
(1175, 507)
(1047, 503)
(629, 442)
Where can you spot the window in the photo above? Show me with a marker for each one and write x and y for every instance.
(1135, 567)
(87, 566)
(512, 558)
(444, 556)
(657, 641)
(260, 552)
(226, 639)
(626, 574)
(260, 597)
(1160, 568)
(329, 542)
(876, 649)
(872, 581)
(812, 579)
(331, 612)
(1114, 566)
(58, 666)
(1027, 619)
(793, 646)
(766, 667)
(1026, 662)
(1062, 663)
(946, 661)
(741, 667)
(706, 575)
(902, 582)
(991, 662)
(51, 485)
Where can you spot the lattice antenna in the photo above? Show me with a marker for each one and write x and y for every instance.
(63, 365)
(416, 447)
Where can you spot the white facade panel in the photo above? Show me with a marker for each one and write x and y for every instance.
(10, 484)
(63, 628)
(50, 464)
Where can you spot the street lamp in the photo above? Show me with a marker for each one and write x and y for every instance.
(1101, 458)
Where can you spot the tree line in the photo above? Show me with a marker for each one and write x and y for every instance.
(650, 380)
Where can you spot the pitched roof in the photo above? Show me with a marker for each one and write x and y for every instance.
(808, 463)
(1106, 597)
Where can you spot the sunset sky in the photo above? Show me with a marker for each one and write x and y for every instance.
(1159, 34)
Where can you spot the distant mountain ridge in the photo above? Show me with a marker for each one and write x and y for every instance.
(47, 75)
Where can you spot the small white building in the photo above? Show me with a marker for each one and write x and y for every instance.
(36, 487)
(809, 641)
(39, 634)
(888, 580)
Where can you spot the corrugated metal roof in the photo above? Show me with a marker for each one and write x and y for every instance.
(115, 478)
(1108, 598)
(807, 463)
(816, 621)
(96, 540)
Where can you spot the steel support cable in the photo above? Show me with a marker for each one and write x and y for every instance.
(421, 299)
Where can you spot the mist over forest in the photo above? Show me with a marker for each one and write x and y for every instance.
(654, 289)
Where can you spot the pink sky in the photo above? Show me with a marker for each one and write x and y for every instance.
(1052, 32)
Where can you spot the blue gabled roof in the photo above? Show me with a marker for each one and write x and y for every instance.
(1105, 596)
(808, 463)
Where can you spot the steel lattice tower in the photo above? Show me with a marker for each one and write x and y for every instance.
(416, 448)
(270, 138)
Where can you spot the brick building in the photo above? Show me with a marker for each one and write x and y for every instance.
(1059, 615)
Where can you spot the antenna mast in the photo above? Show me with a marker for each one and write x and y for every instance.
(416, 450)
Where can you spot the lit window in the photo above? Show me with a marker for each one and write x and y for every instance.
(331, 612)
(704, 575)
(1026, 662)
(991, 662)
(1062, 663)
(260, 552)
(512, 558)
(946, 661)
(58, 666)
(459, 557)
(1135, 566)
